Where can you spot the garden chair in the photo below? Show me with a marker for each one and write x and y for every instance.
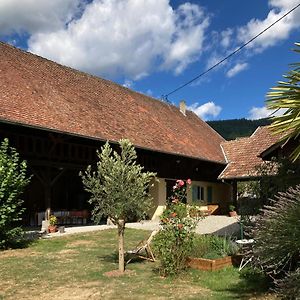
(143, 249)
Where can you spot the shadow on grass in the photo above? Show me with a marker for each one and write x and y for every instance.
(113, 257)
(21, 244)
(19, 240)
(252, 283)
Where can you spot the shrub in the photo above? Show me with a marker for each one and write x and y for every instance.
(255, 277)
(277, 235)
(289, 287)
(276, 176)
(174, 241)
(13, 180)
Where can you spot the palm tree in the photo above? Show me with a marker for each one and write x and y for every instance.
(287, 96)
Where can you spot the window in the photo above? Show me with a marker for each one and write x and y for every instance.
(198, 193)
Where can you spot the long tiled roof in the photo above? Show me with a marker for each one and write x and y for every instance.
(242, 154)
(37, 92)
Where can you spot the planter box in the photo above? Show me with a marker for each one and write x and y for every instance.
(209, 264)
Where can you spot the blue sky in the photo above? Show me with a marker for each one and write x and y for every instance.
(153, 46)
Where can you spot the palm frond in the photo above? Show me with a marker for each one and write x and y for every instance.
(286, 95)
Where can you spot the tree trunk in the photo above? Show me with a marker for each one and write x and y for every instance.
(121, 229)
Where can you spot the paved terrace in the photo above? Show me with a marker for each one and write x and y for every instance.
(221, 225)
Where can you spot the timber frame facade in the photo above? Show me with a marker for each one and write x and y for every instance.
(55, 160)
(57, 117)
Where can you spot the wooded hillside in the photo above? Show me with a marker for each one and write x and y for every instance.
(231, 129)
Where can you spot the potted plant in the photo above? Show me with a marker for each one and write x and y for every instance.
(232, 212)
(52, 224)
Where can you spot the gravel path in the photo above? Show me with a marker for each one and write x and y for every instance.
(221, 225)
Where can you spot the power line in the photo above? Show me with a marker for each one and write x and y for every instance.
(165, 97)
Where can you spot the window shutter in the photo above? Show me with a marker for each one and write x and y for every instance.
(209, 194)
(195, 193)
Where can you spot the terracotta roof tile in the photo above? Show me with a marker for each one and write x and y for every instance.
(242, 154)
(38, 92)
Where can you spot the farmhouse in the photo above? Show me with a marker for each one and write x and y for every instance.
(57, 118)
(246, 157)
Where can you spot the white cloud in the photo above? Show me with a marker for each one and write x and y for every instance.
(31, 16)
(275, 34)
(230, 39)
(205, 110)
(226, 37)
(128, 83)
(149, 92)
(239, 67)
(263, 112)
(123, 37)
(191, 24)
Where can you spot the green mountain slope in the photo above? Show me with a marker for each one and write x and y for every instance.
(231, 129)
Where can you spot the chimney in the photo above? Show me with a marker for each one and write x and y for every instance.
(182, 107)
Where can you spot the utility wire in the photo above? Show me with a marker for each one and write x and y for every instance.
(165, 97)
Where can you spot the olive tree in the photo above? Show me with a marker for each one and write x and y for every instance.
(119, 188)
(13, 180)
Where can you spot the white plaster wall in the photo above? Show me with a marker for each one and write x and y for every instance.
(220, 195)
(159, 193)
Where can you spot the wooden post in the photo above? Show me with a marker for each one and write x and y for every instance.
(121, 229)
(234, 193)
(47, 188)
(48, 183)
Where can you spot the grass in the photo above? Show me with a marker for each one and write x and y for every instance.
(73, 267)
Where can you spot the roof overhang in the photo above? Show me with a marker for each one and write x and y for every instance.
(6, 121)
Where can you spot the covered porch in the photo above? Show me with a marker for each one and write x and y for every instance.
(56, 158)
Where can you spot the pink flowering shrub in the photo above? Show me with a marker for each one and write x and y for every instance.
(174, 241)
(180, 191)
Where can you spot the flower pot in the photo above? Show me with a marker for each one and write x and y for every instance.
(232, 213)
(52, 228)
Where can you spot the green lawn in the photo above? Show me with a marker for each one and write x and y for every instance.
(73, 267)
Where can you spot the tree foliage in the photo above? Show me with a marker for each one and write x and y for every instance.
(13, 180)
(118, 187)
(276, 176)
(235, 128)
(287, 96)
